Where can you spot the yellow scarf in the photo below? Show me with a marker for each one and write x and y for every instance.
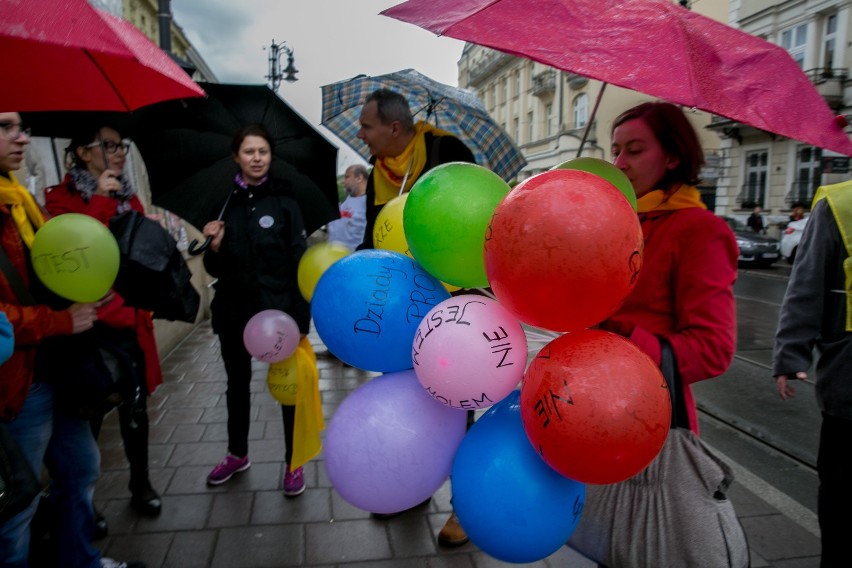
(25, 212)
(684, 197)
(390, 172)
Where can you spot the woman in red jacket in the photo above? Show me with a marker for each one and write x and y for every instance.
(95, 186)
(684, 292)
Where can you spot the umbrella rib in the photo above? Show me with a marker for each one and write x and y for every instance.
(108, 80)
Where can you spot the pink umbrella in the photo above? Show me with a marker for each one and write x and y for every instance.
(70, 56)
(651, 46)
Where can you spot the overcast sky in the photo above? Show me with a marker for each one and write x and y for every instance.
(332, 40)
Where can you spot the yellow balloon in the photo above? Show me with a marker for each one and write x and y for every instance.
(76, 257)
(282, 380)
(315, 262)
(389, 231)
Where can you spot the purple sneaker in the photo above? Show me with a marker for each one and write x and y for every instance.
(294, 482)
(226, 470)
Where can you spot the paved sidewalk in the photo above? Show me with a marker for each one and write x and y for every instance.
(248, 522)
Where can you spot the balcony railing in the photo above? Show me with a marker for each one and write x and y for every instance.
(489, 62)
(544, 83)
(802, 192)
(829, 83)
(751, 195)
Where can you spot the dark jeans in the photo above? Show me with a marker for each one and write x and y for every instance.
(834, 464)
(238, 396)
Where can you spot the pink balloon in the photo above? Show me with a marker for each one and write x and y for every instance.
(469, 352)
(271, 336)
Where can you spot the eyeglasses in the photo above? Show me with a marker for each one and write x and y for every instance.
(111, 147)
(13, 130)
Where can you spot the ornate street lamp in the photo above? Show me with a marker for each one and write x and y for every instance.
(276, 50)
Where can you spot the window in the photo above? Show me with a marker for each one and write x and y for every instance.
(548, 113)
(755, 178)
(505, 85)
(517, 84)
(516, 131)
(530, 127)
(808, 174)
(829, 44)
(581, 110)
(795, 41)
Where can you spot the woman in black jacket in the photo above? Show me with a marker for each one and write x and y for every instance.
(254, 253)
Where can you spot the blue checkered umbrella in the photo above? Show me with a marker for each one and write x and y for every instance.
(458, 111)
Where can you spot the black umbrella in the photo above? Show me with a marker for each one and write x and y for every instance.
(186, 145)
(190, 164)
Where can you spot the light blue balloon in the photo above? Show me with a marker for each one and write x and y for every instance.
(512, 505)
(367, 306)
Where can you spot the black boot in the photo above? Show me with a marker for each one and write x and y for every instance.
(101, 526)
(144, 499)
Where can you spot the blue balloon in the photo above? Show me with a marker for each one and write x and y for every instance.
(512, 505)
(367, 306)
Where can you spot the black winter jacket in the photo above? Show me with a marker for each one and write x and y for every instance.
(258, 260)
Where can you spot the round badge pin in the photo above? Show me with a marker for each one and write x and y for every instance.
(266, 221)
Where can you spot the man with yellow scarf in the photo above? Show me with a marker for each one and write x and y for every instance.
(817, 312)
(62, 442)
(401, 150)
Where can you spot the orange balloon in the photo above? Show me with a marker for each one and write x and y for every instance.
(595, 407)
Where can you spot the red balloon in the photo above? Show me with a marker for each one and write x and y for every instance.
(595, 407)
(563, 250)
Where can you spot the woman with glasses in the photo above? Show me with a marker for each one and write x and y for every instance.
(95, 186)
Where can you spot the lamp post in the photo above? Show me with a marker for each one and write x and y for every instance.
(276, 50)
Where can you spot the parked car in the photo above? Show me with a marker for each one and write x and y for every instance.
(755, 249)
(791, 237)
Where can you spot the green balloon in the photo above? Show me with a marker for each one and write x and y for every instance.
(604, 169)
(446, 216)
(76, 257)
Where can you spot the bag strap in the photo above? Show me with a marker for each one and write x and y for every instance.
(668, 366)
(15, 280)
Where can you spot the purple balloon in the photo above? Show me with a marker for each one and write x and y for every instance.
(271, 336)
(389, 445)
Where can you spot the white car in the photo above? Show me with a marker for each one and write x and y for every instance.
(791, 237)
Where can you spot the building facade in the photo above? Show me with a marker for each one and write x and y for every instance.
(774, 172)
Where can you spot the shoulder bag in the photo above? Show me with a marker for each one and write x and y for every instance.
(675, 513)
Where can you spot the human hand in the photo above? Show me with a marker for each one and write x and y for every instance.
(108, 183)
(216, 231)
(783, 386)
(83, 317)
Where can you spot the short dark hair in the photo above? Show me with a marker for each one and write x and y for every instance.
(250, 130)
(392, 106)
(83, 136)
(676, 136)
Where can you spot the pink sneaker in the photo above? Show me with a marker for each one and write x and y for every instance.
(294, 482)
(226, 470)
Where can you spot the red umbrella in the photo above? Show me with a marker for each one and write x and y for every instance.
(70, 56)
(651, 46)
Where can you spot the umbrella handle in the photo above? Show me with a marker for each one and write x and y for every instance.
(194, 249)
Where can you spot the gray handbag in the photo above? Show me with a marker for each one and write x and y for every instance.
(673, 514)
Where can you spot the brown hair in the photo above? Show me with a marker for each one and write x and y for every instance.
(676, 136)
(250, 130)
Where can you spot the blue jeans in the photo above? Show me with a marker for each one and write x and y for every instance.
(65, 444)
